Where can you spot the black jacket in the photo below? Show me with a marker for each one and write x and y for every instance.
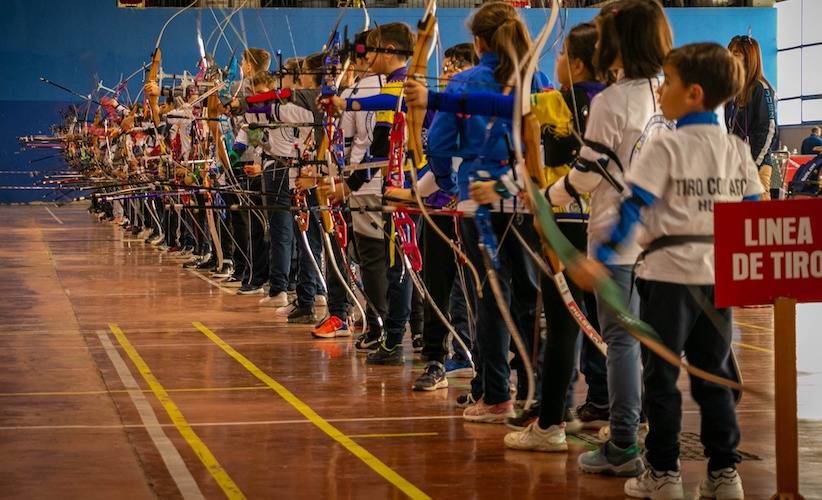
(756, 122)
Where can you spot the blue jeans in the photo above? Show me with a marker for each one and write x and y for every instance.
(400, 290)
(623, 362)
(459, 315)
(280, 230)
(308, 283)
(519, 288)
(592, 362)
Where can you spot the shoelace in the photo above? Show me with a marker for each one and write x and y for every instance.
(724, 476)
(663, 478)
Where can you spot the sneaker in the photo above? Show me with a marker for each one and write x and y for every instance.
(524, 419)
(656, 485)
(368, 342)
(593, 416)
(612, 460)
(320, 300)
(196, 260)
(331, 327)
(573, 425)
(417, 343)
(192, 262)
(303, 315)
(722, 484)
(282, 313)
(465, 400)
(432, 378)
(533, 438)
(386, 356)
(277, 300)
(460, 368)
(225, 271)
(158, 239)
(207, 264)
(482, 413)
(250, 289)
(233, 281)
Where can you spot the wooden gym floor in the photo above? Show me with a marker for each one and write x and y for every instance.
(124, 376)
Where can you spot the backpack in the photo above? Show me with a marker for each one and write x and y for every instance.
(805, 181)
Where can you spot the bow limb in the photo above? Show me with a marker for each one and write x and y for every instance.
(155, 62)
(419, 69)
(301, 217)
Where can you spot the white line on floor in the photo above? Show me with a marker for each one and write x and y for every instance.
(52, 214)
(281, 422)
(168, 452)
(213, 283)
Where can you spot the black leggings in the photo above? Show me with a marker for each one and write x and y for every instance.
(559, 355)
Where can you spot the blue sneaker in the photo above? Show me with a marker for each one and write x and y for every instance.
(612, 460)
(458, 368)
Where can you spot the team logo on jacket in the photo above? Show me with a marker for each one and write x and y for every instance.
(655, 126)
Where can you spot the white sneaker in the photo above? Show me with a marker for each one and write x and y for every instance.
(483, 413)
(533, 438)
(665, 485)
(722, 484)
(282, 313)
(279, 300)
(320, 300)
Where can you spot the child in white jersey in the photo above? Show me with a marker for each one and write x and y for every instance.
(634, 37)
(675, 185)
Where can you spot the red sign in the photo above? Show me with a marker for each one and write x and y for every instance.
(768, 249)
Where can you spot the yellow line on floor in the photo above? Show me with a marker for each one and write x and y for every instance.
(219, 474)
(753, 347)
(399, 434)
(751, 325)
(358, 451)
(124, 391)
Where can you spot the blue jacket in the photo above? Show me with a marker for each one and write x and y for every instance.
(467, 136)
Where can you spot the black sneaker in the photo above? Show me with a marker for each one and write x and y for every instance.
(250, 289)
(524, 419)
(432, 378)
(225, 271)
(302, 315)
(208, 264)
(386, 356)
(466, 400)
(593, 416)
(417, 343)
(196, 260)
(368, 341)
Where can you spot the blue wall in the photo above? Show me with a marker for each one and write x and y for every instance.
(70, 42)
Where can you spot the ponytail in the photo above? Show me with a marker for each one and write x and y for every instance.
(499, 25)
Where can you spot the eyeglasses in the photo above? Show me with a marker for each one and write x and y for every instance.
(743, 38)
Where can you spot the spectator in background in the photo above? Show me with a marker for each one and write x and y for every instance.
(813, 143)
(752, 114)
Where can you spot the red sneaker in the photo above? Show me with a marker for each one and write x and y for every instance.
(330, 328)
